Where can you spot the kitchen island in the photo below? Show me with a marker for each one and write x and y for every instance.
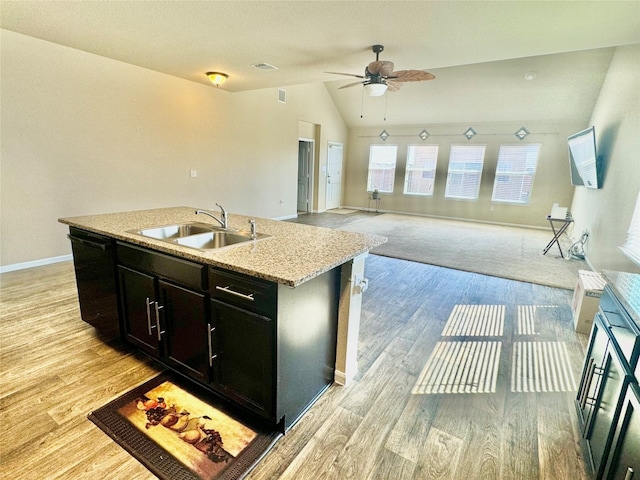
(267, 324)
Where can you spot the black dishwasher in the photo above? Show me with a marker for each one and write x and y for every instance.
(94, 263)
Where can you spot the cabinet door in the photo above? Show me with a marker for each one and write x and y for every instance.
(624, 462)
(184, 324)
(243, 351)
(592, 373)
(606, 408)
(138, 294)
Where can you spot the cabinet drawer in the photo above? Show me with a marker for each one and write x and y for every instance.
(246, 292)
(184, 272)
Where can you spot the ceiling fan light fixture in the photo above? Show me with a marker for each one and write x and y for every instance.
(217, 78)
(375, 89)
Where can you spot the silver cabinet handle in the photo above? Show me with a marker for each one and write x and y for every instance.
(237, 294)
(160, 332)
(149, 303)
(210, 342)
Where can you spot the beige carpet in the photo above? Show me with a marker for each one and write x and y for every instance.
(501, 251)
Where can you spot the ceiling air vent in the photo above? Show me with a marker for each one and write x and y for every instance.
(264, 66)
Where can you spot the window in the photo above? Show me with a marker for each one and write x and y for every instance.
(632, 247)
(421, 169)
(514, 173)
(382, 168)
(465, 171)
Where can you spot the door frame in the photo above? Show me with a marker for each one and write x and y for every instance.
(310, 167)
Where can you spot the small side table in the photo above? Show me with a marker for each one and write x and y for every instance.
(376, 199)
(565, 222)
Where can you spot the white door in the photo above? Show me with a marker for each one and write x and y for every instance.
(334, 175)
(305, 156)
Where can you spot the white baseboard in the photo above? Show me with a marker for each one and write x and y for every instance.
(35, 263)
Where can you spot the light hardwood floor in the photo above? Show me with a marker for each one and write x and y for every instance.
(54, 370)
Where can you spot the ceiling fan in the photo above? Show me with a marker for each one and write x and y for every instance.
(379, 76)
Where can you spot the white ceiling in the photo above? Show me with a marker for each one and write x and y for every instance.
(478, 50)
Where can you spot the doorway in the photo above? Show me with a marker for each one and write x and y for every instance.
(305, 167)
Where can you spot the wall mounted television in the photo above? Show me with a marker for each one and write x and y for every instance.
(583, 159)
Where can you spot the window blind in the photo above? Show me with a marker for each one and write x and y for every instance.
(465, 171)
(421, 169)
(515, 172)
(382, 168)
(631, 248)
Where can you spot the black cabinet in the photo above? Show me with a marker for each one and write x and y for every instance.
(607, 416)
(164, 319)
(624, 461)
(243, 357)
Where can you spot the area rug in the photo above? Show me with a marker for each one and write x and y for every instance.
(179, 431)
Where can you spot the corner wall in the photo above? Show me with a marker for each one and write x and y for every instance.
(606, 213)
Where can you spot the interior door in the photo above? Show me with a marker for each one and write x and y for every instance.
(305, 158)
(334, 175)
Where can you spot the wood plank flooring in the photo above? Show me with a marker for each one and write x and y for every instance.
(54, 370)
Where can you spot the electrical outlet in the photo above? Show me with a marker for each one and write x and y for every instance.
(194, 173)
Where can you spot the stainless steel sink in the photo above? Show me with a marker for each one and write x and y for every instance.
(169, 232)
(201, 236)
(207, 241)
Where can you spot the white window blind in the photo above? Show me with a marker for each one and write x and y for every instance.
(515, 172)
(421, 169)
(382, 167)
(465, 171)
(632, 246)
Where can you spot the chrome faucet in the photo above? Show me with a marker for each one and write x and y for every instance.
(224, 218)
(252, 227)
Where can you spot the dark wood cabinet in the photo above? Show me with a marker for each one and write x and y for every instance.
(624, 461)
(161, 317)
(243, 357)
(609, 418)
(139, 317)
(266, 348)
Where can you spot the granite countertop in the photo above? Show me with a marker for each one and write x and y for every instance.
(626, 286)
(292, 255)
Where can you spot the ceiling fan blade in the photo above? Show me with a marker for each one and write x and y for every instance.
(347, 74)
(393, 86)
(351, 85)
(382, 68)
(411, 76)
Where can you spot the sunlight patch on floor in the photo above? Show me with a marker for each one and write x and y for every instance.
(475, 321)
(541, 367)
(460, 367)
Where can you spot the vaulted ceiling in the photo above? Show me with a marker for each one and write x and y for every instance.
(479, 51)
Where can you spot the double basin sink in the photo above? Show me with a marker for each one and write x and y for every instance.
(201, 236)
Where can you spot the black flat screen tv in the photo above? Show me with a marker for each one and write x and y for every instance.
(583, 159)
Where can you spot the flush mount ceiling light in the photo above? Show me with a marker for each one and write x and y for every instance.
(470, 133)
(375, 89)
(522, 133)
(217, 78)
(424, 135)
(384, 135)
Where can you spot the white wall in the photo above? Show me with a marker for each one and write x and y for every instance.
(606, 213)
(83, 134)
